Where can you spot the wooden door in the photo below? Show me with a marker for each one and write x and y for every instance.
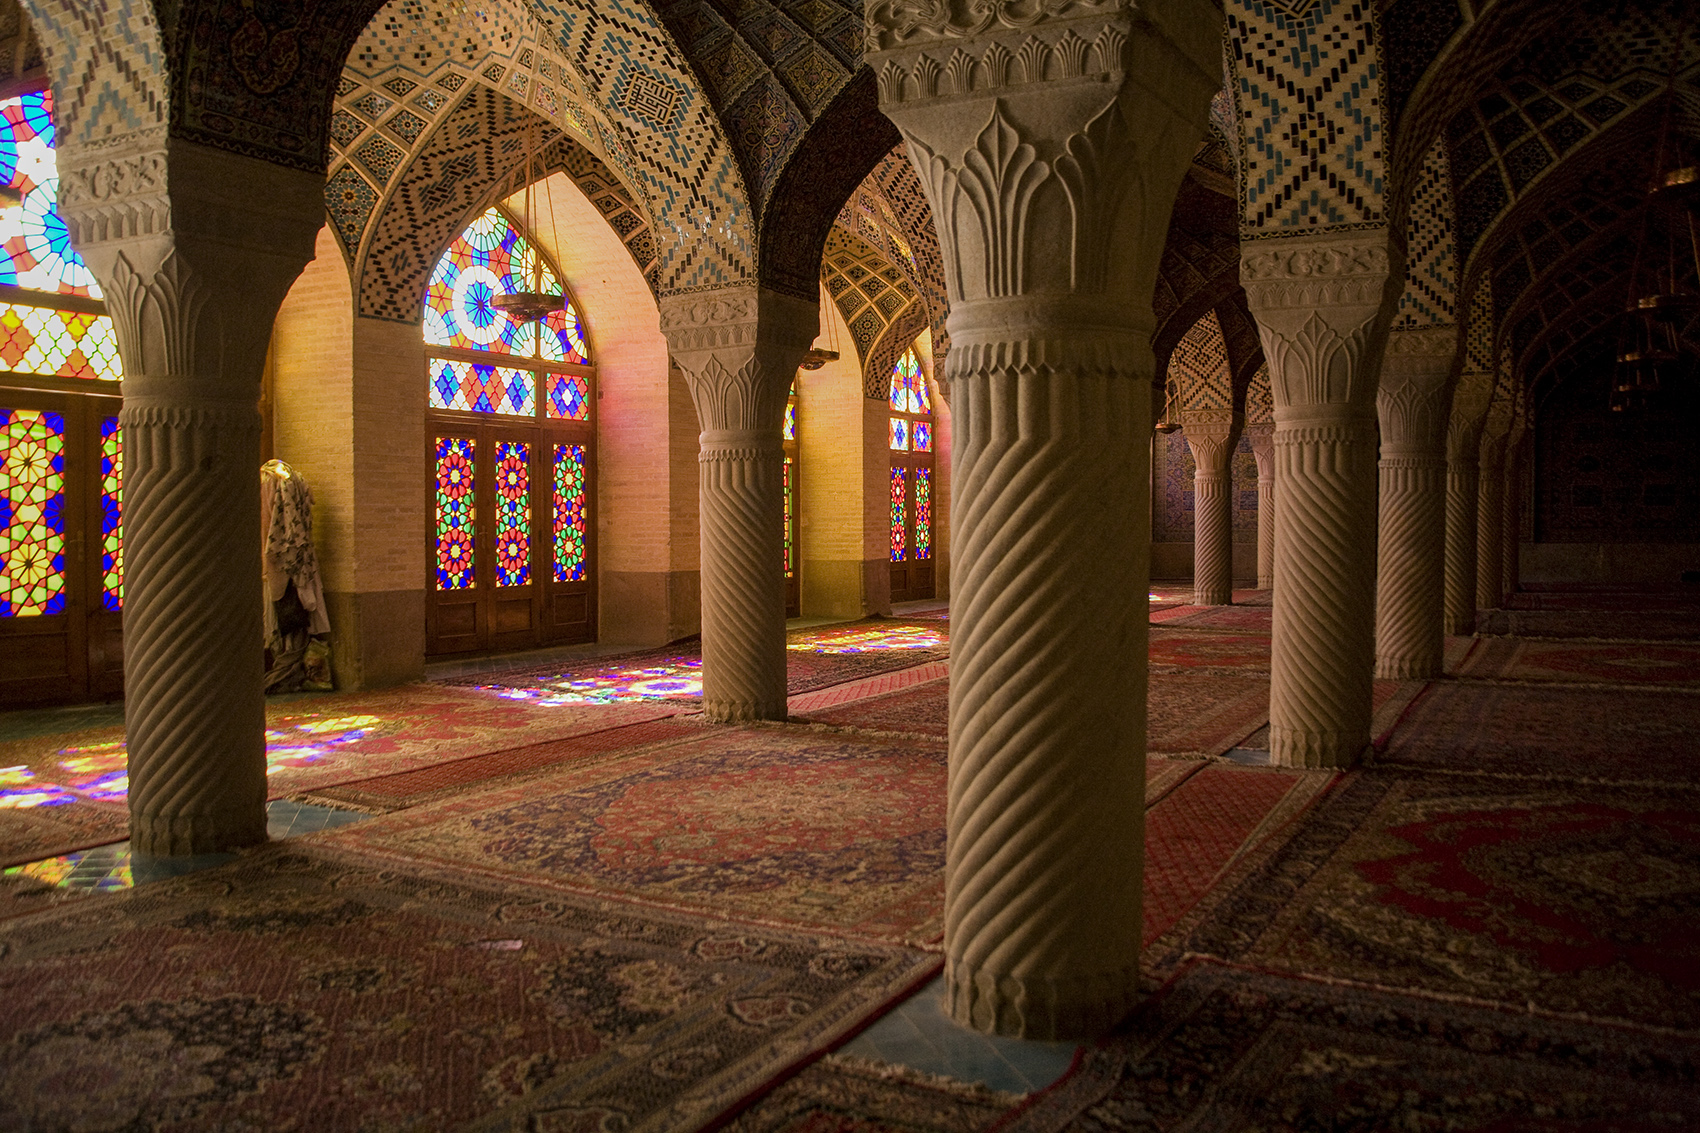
(61, 565)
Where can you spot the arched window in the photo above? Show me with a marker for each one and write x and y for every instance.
(911, 442)
(512, 433)
(61, 451)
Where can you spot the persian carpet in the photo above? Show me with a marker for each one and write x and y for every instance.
(66, 791)
(1519, 659)
(922, 709)
(1241, 618)
(809, 830)
(1192, 651)
(1611, 625)
(302, 988)
(1566, 899)
(843, 1094)
(1580, 734)
(1389, 702)
(1229, 1049)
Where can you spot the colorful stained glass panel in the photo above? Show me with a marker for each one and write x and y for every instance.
(899, 505)
(923, 434)
(111, 514)
(569, 397)
(482, 389)
(790, 510)
(491, 258)
(455, 512)
(32, 513)
(899, 434)
(65, 344)
(571, 524)
(513, 513)
(908, 387)
(791, 421)
(923, 513)
(35, 248)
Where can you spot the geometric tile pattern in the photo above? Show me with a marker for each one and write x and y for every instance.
(1259, 398)
(1199, 365)
(880, 304)
(1198, 270)
(20, 55)
(110, 74)
(1244, 345)
(902, 204)
(1311, 134)
(1431, 254)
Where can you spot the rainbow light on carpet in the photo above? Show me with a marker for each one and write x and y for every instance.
(671, 681)
(873, 640)
(99, 772)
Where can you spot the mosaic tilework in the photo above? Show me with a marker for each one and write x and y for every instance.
(1431, 260)
(1259, 398)
(619, 88)
(111, 73)
(1200, 365)
(1197, 271)
(1244, 346)
(20, 54)
(1172, 500)
(879, 303)
(1308, 88)
(911, 218)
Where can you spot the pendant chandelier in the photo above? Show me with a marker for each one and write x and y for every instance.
(1167, 423)
(532, 305)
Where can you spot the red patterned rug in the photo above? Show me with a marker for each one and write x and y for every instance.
(1191, 716)
(1229, 1049)
(1242, 618)
(766, 825)
(305, 989)
(1176, 650)
(1610, 625)
(1519, 659)
(1570, 900)
(1576, 734)
(842, 1094)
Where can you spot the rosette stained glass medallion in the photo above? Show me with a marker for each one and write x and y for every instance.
(911, 448)
(111, 514)
(899, 508)
(923, 513)
(32, 513)
(908, 387)
(513, 513)
(571, 529)
(492, 258)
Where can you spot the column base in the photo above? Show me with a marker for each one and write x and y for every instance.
(181, 835)
(1407, 668)
(741, 712)
(1290, 747)
(1212, 597)
(1266, 582)
(1035, 1008)
(1460, 627)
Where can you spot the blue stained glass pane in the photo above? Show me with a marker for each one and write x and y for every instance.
(489, 259)
(35, 248)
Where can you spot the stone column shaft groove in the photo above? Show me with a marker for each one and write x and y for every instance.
(1263, 451)
(1490, 513)
(1212, 435)
(1461, 495)
(739, 349)
(1414, 405)
(1051, 168)
(1322, 306)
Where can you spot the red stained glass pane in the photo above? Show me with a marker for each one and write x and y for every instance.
(455, 513)
(513, 513)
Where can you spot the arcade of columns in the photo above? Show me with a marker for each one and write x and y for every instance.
(1051, 176)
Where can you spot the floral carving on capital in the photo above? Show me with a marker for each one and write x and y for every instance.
(896, 23)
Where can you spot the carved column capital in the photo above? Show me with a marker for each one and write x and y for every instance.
(1415, 398)
(1261, 434)
(1318, 302)
(1212, 435)
(739, 349)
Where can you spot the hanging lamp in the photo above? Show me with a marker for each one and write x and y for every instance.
(532, 305)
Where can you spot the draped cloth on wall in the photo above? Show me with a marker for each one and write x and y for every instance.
(295, 596)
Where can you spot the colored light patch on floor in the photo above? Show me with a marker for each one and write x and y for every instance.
(674, 680)
(100, 771)
(873, 640)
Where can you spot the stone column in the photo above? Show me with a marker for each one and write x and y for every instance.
(739, 348)
(1212, 435)
(1414, 404)
(1511, 522)
(1263, 450)
(1490, 512)
(195, 249)
(1463, 450)
(1322, 307)
(1051, 149)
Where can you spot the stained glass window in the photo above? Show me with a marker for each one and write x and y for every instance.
(923, 437)
(923, 513)
(899, 494)
(791, 420)
(482, 389)
(790, 507)
(491, 258)
(513, 513)
(111, 514)
(899, 434)
(571, 528)
(36, 254)
(32, 513)
(455, 512)
(908, 387)
(569, 397)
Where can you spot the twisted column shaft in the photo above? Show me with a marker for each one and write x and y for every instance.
(739, 349)
(1212, 435)
(1461, 496)
(1511, 520)
(1414, 405)
(1490, 513)
(1263, 450)
(1324, 625)
(1047, 691)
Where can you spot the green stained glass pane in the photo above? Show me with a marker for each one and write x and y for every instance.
(455, 513)
(32, 513)
(899, 504)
